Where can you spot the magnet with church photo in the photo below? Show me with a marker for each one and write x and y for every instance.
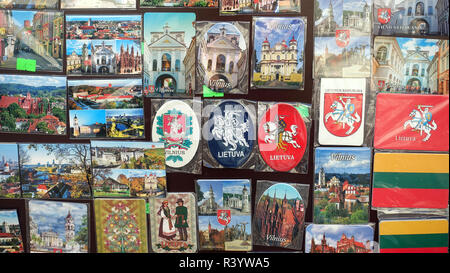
(229, 133)
(342, 38)
(169, 54)
(12, 241)
(176, 123)
(279, 217)
(128, 169)
(283, 137)
(224, 214)
(222, 57)
(410, 17)
(9, 171)
(236, 7)
(103, 44)
(98, 4)
(173, 223)
(278, 52)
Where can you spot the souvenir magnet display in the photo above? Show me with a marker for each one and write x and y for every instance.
(128, 169)
(342, 42)
(121, 225)
(413, 18)
(29, 42)
(222, 60)
(98, 45)
(55, 170)
(411, 122)
(58, 227)
(283, 130)
(9, 171)
(177, 125)
(410, 180)
(342, 185)
(111, 108)
(408, 65)
(224, 214)
(173, 223)
(169, 54)
(339, 239)
(342, 111)
(278, 52)
(229, 130)
(280, 214)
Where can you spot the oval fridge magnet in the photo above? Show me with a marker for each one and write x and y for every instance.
(176, 124)
(282, 137)
(231, 134)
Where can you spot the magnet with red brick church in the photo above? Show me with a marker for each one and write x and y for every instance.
(283, 132)
(224, 214)
(103, 45)
(339, 238)
(110, 108)
(280, 214)
(33, 104)
(278, 52)
(342, 185)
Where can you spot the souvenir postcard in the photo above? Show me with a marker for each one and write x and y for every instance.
(229, 129)
(31, 40)
(224, 214)
(339, 239)
(121, 225)
(103, 45)
(10, 233)
(278, 52)
(98, 4)
(414, 18)
(169, 54)
(413, 236)
(280, 214)
(55, 170)
(128, 169)
(33, 104)
(342, 185)
(222, 49)
(342, 42)
(410, 180)
(177, 125)
(179, 3)
(112, 108)
(228, 7)
(173, 223)
(283, 130)
(9, 171)
(409, 65)
(58, 227)
(29, 4)
(342, 111)
(411, 122)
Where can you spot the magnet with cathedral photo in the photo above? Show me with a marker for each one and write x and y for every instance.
(411, 17)
(103, 45)
(176, 123)
(222, 57)
(342, 111)
(283, 137)
(169, 54)
(229, 130)
(278, 52)
(235, 7)
(11, 232)
(173, 223)
(98, 4)
(280, 214)
(224, 214)
(342, 38)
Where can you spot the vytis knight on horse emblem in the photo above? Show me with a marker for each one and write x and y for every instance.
(422, 121)
(285, 137)
(231, 129)
(343, 112)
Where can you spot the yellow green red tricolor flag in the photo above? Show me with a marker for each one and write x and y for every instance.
(410, 180)
(413, 236)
